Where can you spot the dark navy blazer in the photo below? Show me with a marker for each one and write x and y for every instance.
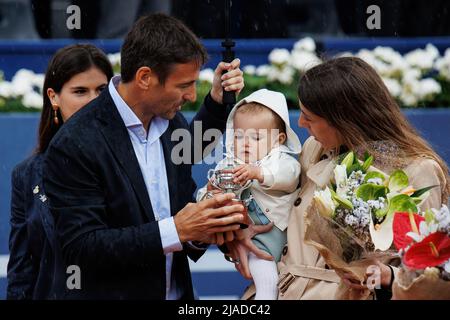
(104, 219)
(34, 267)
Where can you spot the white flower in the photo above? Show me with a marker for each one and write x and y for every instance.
(447, 266)
(351, 220)
(415, 236)
(409, 100)
(305, 44)
(410, 95)
(22, 82)
(443, 65)
(442, 218)
(324, 203)
(366, 55)
(428, 88)
(38, 81)
(249, 69)
(6, 89)
(24, 74)
(364, 220)
(206, 75)
(432, 51)
(114, 58)
(432, 272)
(340, 177)
(391, 57)
(394, 87)
(411, 74)
(376, 181)
(32, 99)
(279, 56)
(376, 204)
(263, 70)
(303, 60)
(425, 230)
(284, 75)
(380, 66)
(422, 58)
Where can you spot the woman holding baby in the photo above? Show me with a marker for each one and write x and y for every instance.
(344, 106)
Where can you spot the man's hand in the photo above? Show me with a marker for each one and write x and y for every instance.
(246, 172)
(233, 80)
(199, 221)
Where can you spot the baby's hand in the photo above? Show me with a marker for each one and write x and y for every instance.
(246, 172)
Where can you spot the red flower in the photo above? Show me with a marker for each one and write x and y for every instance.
(430, 252)
(403, 225)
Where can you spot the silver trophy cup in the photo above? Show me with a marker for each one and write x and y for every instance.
(223, 180)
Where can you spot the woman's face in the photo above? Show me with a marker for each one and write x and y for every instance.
(78, 91)
(319, 128)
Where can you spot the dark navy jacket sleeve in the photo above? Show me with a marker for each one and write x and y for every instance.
(77, 200)
(22, 272)
(211, 116)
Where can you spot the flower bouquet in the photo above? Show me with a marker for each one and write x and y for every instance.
(350, 221)
(423, 242)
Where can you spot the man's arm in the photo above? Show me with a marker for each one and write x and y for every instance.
(77, 201)
(22, 272)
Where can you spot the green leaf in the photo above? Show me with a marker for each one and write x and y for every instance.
(348, 160)
(373, 175)
(332, 186)
(367, 163)
(380, 213)
(429, 216)
(420, 192)
(398, 181)
(354, 167)
(346, 204)
(401, 203)
(370, 191)
(418, 200)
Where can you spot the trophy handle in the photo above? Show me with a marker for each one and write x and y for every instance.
(211, 178)
(210, 174)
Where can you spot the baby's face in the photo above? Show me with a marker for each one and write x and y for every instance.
(255, 135)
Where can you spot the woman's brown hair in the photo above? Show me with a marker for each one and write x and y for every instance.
(66, 63)
(352, 97)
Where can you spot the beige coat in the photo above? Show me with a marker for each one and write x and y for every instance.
(302, 271)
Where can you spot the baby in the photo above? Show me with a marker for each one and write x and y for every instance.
(265, 150)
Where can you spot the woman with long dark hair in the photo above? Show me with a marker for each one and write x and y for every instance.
(75, 75)
(346, 106)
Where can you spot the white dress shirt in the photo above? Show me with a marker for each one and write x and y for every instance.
(149, 153)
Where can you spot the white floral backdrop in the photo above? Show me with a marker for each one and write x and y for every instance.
(420, 78)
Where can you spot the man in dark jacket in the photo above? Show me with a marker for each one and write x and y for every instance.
(121, 205)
